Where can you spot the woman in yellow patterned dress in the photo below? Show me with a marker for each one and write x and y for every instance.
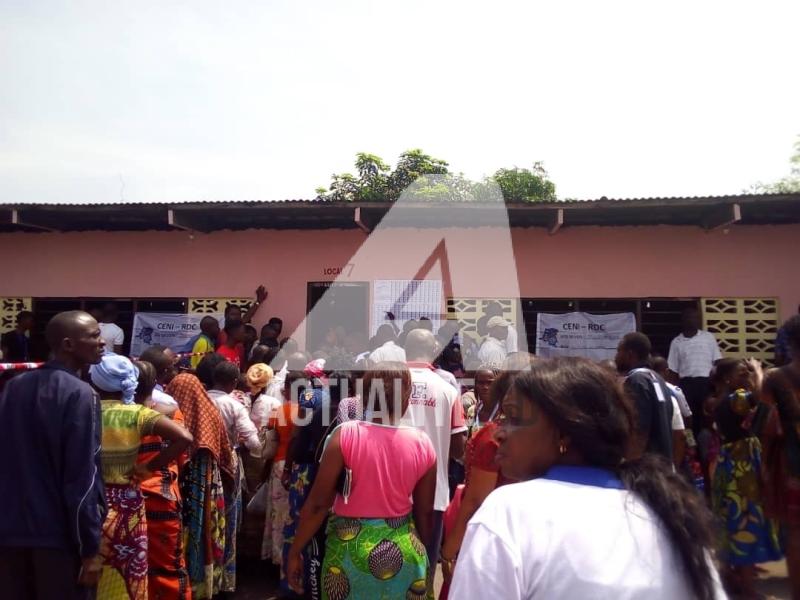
(748, 536)
(123, 547)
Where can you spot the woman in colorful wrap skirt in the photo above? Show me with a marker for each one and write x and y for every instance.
(167, 578)
(210, 460)
(748, 536)
(123, 546)
(375, 545)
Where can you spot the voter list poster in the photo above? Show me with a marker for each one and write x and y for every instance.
(407, 299)
(582, 334)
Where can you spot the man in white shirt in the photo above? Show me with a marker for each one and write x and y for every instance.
(164, 361)
(691, 357)
(387, 349)
(434, 407)
(493, 350)
(241, 430)
(110, 331)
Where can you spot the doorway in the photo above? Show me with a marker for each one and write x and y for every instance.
(337, 314)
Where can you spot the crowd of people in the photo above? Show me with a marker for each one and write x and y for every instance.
(357, 470)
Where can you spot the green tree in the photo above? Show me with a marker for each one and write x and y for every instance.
(525, 185)
(411, 165)
(377, 182)
(786, 185)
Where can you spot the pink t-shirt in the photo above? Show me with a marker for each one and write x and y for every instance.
(387, 462)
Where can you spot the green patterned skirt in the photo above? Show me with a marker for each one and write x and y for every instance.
(373, 558)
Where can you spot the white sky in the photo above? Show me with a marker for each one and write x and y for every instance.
(199, 100)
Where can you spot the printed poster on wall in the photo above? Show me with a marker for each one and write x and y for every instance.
(174, 330)
(407, 299)
(582, 334)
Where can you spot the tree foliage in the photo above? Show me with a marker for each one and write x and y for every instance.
(525, 185)
(377, 182)
(787, 185)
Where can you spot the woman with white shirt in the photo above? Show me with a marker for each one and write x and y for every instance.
(584, 523)
(262, 405)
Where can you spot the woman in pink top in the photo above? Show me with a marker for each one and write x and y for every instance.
(375, 545)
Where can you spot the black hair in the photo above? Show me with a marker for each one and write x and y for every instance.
(264, 354)
(268, 327)
(232, 325)
(249, 327)
(208, 319)
(487, 367)
(724, 368)
(205, 369)
(292, 377)
(275, 321)
(298, 361)
(657, 360)
(386, 375)
(147, 380)
(229, 307)
(385, 331)
(638, 343)
(792, 329)
(155, 356)
(341, 374)
(500, 386)
(587, 404)
(225, 373)
(24, 314)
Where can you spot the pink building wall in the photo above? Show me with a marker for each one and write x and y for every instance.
(588, 262)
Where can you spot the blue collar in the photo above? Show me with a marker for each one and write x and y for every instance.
(593, 476)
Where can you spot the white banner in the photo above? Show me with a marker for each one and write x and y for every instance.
(407, 299)
(582, 334)
(174, 330)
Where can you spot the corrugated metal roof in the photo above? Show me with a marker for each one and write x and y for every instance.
(323, 200)
(320, 213)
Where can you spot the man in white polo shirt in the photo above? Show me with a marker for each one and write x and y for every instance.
(387, 347)
(434, 407)
(493, 350)
(691, 357)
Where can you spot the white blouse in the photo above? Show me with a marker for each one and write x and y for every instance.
(553, 539)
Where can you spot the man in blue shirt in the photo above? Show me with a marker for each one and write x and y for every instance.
(52, 505)
(650, 395)
(15, 343)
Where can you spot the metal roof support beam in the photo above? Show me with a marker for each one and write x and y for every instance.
(359, 220)
(14, 217)
(723, 216)
(181, 220)
(556, 221)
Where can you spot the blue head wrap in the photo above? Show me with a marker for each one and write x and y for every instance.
(116, 374)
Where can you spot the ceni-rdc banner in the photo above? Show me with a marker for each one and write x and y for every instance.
(582, 334)
(173, 330)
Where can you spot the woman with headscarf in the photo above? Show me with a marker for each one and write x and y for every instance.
(167, 576)
(202, 485)
(262, 405)
(123, 546)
